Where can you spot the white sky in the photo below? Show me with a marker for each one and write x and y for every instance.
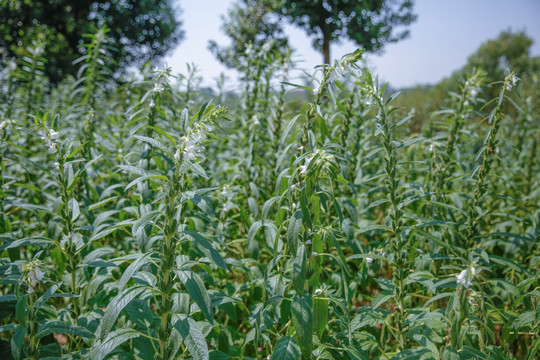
(444, 35)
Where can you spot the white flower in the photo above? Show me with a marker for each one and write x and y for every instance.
(35, 276)
(474, 92)
(317, 90)
(308, 242)
(52, 148)
(464, 279)
(514, 79)
(190, 150)
(201, 135)
(300, 148)
(303, 170)
(152, 103)
(256, 120)
(318, 292)
(158, 88)
(53, 135)
(511, 81)
(369, 260)
(313, 253)
(56, 165)
(4, 124)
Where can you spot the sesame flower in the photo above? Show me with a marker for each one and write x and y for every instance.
(152, 103)
(201, 135)
(51, 138)
(511, 81)
(369, 260)
(158, 88)
(464, 279)
(34, 277)
(190, 150)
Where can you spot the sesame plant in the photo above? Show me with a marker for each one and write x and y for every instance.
(144, 218)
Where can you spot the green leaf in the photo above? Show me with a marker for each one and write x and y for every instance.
(75, 210)
(206, 247)
(450, 354)
(60, 327)
(20, 310)
(144, 220)
(438, 297)
(412, 354)
(302, 316)
(17, 341)
(114, 339)
(365, 229)
(142, 260)
(116, 305)
(154, 143)
(288, 129)
(35, 240)
(534, 350)
(299, 269)
(469, 350)
(320, 315)
(286, 349)
(101, 203)
(380, 298)
(203, 203)
(197, 291)
(34, 164)
(135, 170)
(192, 335)
(293, 231)
(144, 178)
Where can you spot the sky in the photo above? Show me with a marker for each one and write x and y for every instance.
(445, 34)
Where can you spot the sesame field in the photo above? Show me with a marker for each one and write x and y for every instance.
(146, 217)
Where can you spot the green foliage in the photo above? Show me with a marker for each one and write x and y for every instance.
(369, 24)
(139, 30)
(141, 220)
(495, 57)
(251, 25)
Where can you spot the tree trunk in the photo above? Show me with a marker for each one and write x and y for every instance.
(326, 47)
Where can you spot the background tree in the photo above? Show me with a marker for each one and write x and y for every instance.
(369, 23)
(140, 30)
(250, 23)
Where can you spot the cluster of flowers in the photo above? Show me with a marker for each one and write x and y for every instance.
(511, 81)
(465, 277)
(303, 168)
(191, 144)
(51, 138)
(35, 275)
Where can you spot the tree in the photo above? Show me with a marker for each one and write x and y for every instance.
(369, 23)
(250, 24)
(140, 30)
(509, 51)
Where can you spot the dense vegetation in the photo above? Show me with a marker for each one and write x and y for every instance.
(141, 221)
